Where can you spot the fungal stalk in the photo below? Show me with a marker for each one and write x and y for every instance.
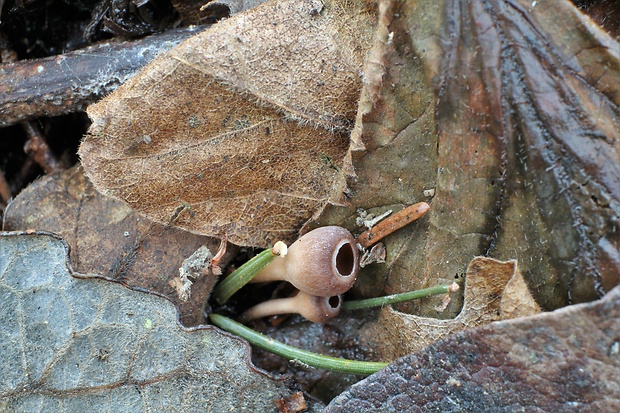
(311, 307)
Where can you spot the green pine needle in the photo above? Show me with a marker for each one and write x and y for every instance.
(292, 353)
(397, 298)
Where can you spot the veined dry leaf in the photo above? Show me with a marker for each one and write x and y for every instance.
(79, 345)
(564, 361)
(107, 238)
(395, 334)
(513, 120)
(241, 131)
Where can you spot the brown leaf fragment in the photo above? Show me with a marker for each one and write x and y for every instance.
(395, 334)
(240, 131)
(109, 239)
(562, 361)
(517, 300)
(293, 404)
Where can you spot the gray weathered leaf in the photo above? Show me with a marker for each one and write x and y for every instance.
(130, 249)
(68, 344)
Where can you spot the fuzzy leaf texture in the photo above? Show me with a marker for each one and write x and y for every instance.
(242, 131)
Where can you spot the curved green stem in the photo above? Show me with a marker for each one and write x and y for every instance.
(397, 298)
(292, 353)
(242, 275)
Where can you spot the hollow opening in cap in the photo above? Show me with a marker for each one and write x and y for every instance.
(345, 259)
(334, 301)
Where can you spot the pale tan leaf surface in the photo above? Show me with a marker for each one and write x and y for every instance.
(242, 131)
(107, 238)
(517, 300)
(78, 345)
(394, 334)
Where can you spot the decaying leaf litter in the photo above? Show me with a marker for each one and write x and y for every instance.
(373, 177)
(69, 344)
(493, 130)
(528, 364)
(247, 125)
(130, 249)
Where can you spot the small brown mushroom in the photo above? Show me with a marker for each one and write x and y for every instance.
(311, 307)
(324, 262)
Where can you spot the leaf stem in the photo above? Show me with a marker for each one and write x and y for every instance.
(244, 274)
(292, 353)
(397, 298)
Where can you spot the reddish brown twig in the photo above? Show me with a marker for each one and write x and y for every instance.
(5, 191)
(38, 149)
(393, 223)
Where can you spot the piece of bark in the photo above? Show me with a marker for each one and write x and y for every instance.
(567, 360)
(67, 83)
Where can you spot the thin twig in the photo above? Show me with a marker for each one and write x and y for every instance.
(37, 148)
(393, 223)
(5, 191)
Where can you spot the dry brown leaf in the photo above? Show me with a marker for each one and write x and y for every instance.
(562, 361)
(395, 334)
(517, 300)
(109, 239)
(240, 131)
(510, 123)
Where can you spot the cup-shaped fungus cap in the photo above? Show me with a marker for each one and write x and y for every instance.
(313, 308)
(324, 262)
